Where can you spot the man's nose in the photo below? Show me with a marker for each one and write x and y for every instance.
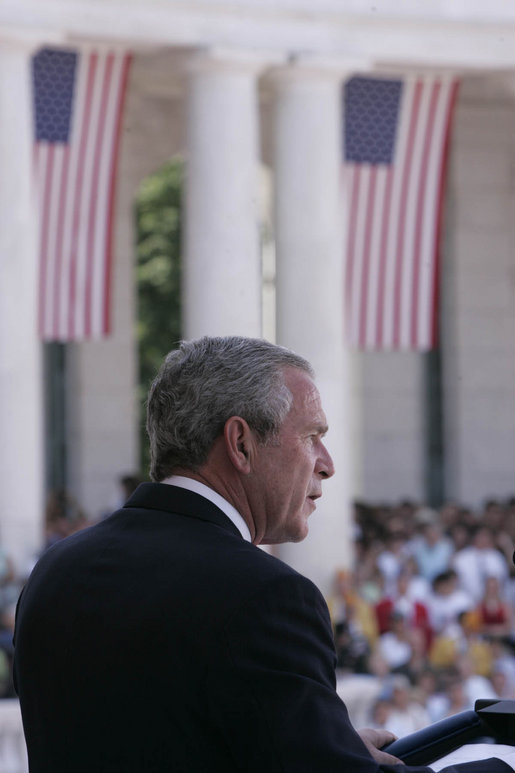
(326, 464)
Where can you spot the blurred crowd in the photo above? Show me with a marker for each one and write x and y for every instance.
(424, 624)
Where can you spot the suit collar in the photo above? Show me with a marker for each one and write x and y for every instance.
(172, 499)
(191, 484)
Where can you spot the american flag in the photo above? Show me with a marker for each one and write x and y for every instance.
(78, 98)
(396, 137)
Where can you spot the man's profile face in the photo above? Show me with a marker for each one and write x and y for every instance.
(287, 475)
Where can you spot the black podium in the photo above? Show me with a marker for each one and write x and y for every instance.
(491, 721)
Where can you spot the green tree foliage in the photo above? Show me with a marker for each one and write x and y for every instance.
(158, 277)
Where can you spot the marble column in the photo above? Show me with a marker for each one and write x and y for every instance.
(309, 244)
(21, 384)
(222, 271)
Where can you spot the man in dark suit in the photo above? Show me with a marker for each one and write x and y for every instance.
(163, 639)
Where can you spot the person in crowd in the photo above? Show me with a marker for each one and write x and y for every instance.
(431, 549)
(474, 685)
(418, 588)
(500, 684)
(428, 692)
(449, 514)
(7, 570)
(126, 484)
(460, 535)
(405, 511)
(503, 659)
(9, 583)
(406, 714)
(494, 614)
(380, 713)
(494, 515)
(360, 686)
(391, 558)
(7, 615)
(474, 645)
(457, 698)
(370, 583)
(418, 661)
(347, 607)
(411, 608)
(63, 516)
(395, 644)
(446, 603)
(352, 648)
(478, 561)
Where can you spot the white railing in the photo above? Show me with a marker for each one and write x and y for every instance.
(13, 753)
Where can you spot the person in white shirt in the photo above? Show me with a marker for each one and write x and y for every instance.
(446, 603)
(480, 560)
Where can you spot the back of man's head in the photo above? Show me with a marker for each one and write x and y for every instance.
(202, 384)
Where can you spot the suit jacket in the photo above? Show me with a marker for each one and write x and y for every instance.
(160, 640)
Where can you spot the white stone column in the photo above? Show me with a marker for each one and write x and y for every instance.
(21, 387)
(222, 272)
(310, 320)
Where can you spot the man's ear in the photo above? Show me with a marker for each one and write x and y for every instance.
(238, 443)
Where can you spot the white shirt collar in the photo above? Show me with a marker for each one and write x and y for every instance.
(208, 493)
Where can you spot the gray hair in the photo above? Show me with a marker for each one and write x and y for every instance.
(206, 381)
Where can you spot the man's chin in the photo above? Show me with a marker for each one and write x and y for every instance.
(294, 535)
(301, 532)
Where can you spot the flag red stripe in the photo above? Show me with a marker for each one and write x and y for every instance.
(78, 194)
(401, 225)
(386, 214)
(92, 220)
(366, 257)
(106, 321)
